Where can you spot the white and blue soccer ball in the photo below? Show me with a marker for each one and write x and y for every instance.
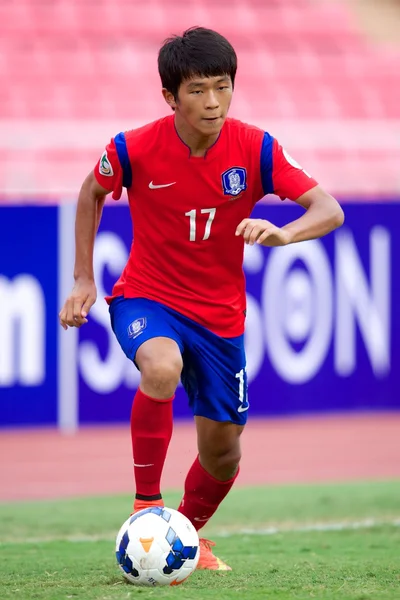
(157, 546)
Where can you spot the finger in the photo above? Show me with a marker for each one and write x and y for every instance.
(248, 231)
(242, 226)
(77, 310)
(63, 317)
(265, 235)
(255, 234)
(90, 300)
(62, 322)
(69, 305)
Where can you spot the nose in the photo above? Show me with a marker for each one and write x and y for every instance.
(211, 100)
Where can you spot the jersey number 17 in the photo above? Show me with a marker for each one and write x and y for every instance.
(192, 214)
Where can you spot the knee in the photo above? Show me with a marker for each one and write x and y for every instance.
(221, 463)
(228, 459)
(160, 378)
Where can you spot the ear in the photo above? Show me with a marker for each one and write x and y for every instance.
(169, 98)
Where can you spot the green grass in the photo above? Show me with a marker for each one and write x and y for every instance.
(65, 549)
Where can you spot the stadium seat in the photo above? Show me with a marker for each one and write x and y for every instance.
(97, 60)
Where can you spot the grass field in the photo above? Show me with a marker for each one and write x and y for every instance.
(292, 542)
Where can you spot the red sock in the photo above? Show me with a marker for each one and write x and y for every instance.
(151, 431)
(203, 494)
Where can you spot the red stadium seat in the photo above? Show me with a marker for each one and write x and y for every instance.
(97, 60)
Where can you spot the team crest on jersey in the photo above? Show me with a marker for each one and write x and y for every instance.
(137, 327)
(234, 181)
(105, 167)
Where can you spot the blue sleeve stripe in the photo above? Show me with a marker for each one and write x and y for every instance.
(123, 156)
(266, 164)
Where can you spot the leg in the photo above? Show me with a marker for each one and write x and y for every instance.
(215, 379)
(219, 447)
(210, 479)
(160, 364)
(145, 332)
(213, 472)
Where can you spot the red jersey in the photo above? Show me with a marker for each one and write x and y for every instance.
(185, 211)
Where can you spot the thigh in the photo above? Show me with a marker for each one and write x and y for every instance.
(215, 377)
(158, 351)
(137, 320)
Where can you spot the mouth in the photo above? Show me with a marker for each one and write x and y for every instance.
(211, 119)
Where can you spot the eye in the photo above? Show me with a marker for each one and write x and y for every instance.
(224, 87)
(196, 92)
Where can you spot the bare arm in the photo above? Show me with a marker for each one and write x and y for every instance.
(323, 215)
(88, 215)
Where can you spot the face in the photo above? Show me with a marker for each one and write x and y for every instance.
(202, 103)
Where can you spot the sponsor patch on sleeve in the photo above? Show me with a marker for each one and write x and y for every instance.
(294, 162)
(105, 167)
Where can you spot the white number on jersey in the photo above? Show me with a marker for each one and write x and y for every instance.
(192, 223)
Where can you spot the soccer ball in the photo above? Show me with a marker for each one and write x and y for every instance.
(157, 546)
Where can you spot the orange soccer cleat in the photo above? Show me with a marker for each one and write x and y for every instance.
(142, 504)
(208, 561)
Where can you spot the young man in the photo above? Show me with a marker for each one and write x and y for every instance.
(178, 309)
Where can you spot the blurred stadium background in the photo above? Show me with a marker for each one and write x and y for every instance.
(323, 76)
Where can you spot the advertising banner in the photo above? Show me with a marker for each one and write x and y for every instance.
(323, 329)
(323, 332)
(28, 315)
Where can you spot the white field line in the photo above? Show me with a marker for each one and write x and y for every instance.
(317, 527)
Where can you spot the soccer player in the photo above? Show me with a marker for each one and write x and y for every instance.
(178, 310)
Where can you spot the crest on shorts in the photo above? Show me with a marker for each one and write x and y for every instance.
(137, 327)
(234, 181)
(105, 167)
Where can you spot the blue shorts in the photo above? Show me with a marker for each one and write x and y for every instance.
(214, 368)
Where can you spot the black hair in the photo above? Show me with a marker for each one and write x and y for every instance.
(198, 52)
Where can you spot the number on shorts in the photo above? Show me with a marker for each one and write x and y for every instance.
(244, 405)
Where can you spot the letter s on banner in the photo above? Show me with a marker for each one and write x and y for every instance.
(104, 376)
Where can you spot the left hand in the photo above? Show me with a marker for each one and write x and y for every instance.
(263, 232)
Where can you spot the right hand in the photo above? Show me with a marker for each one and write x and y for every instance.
(78, 304)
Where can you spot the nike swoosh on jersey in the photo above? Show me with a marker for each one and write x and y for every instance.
(243, 408)
(152, 186)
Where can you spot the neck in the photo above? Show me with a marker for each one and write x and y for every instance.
(198, 143)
